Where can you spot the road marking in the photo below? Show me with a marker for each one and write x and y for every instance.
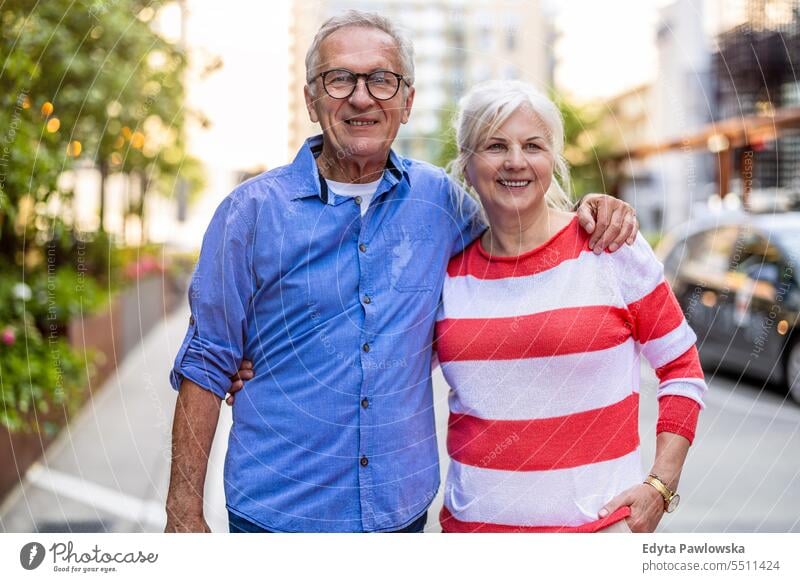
(96, 496)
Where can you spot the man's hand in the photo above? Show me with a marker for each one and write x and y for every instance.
(244, 373)
(647, 507)
(610, 221)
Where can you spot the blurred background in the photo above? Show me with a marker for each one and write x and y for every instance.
(124, 123)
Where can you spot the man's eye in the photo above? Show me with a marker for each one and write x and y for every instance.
(341, 78)
(377, 79)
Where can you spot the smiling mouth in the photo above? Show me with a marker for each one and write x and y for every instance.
(358, 123)
(514, 183)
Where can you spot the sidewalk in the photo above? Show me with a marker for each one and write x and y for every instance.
(109, 469)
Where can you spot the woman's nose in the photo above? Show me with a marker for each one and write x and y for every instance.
(514, 159)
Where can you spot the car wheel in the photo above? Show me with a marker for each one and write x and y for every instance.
(793, 371)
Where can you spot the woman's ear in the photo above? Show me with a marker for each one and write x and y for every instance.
(465, 173)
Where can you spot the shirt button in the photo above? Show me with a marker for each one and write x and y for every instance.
(364, 461)
(191, 320)
(364, 403)
(362, 247)
(357, 199)
(365, 347)
(367, 299)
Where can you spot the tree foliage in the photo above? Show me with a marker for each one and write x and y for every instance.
(81, 82)
(84, 81)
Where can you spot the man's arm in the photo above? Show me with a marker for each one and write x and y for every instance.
(220, 295)
(196, 416)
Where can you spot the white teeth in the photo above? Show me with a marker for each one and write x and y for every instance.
(360, 123)
(517, 184)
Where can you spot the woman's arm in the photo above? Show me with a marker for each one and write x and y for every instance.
(667, 342)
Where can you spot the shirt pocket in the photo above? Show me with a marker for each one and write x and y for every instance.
(411, 264)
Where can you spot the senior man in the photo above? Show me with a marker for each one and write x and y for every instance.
(326, 274)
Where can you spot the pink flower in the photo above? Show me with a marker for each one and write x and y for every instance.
(145, 266)
(8, 336)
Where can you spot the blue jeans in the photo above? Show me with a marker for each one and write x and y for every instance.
(238, 524)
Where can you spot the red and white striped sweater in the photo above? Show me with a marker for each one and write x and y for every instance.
(542, 354)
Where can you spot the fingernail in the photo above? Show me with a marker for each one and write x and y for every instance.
(612, 247)
(603, 512)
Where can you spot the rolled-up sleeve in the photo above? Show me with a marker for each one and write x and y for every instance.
(219, 297)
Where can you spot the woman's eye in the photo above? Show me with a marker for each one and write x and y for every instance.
(495, 147)
(533, 147)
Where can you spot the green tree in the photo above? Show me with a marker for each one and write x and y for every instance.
(80, 81)
(584, 146)
(85, 80)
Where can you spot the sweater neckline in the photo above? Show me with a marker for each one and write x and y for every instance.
(571, 226)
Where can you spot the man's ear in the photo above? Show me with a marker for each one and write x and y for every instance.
(409, 101)
(312, 113)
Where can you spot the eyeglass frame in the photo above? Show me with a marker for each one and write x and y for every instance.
(397, 76)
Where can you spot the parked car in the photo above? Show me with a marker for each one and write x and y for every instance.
(737, 278)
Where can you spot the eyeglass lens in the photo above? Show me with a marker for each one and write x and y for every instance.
(380, 84)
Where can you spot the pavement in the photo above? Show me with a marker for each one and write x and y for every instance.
(109, 469)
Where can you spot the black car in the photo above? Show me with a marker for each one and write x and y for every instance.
(737, 278)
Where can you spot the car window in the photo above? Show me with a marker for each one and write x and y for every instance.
(710, 252)
(790, 241)
(756, 257)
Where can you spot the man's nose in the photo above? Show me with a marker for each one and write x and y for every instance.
(360, 97)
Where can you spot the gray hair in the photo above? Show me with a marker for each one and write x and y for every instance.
(483, 110)
(361, 19)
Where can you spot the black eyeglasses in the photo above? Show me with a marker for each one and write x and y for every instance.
(381, 85)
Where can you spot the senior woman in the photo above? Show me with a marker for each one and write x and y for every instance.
(540, 339)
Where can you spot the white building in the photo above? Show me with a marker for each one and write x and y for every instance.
(665, 188)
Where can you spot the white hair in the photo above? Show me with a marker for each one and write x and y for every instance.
(357, 18)
(485, 108)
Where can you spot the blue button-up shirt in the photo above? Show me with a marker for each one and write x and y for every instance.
(336, 431)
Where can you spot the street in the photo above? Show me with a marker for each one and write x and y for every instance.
(109, 471)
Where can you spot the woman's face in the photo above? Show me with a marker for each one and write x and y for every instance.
(512, 171)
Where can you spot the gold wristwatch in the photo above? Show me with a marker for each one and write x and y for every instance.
(671, 498)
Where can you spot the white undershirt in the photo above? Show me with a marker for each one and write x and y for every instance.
(366, 191)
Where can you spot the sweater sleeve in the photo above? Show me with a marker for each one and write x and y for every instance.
(664, 337)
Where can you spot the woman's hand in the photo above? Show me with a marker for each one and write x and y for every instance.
(610, 221)
(245, 372)
(647, 507)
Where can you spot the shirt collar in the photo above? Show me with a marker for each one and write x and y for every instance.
(309, 182)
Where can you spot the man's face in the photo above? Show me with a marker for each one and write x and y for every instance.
(359, 127)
